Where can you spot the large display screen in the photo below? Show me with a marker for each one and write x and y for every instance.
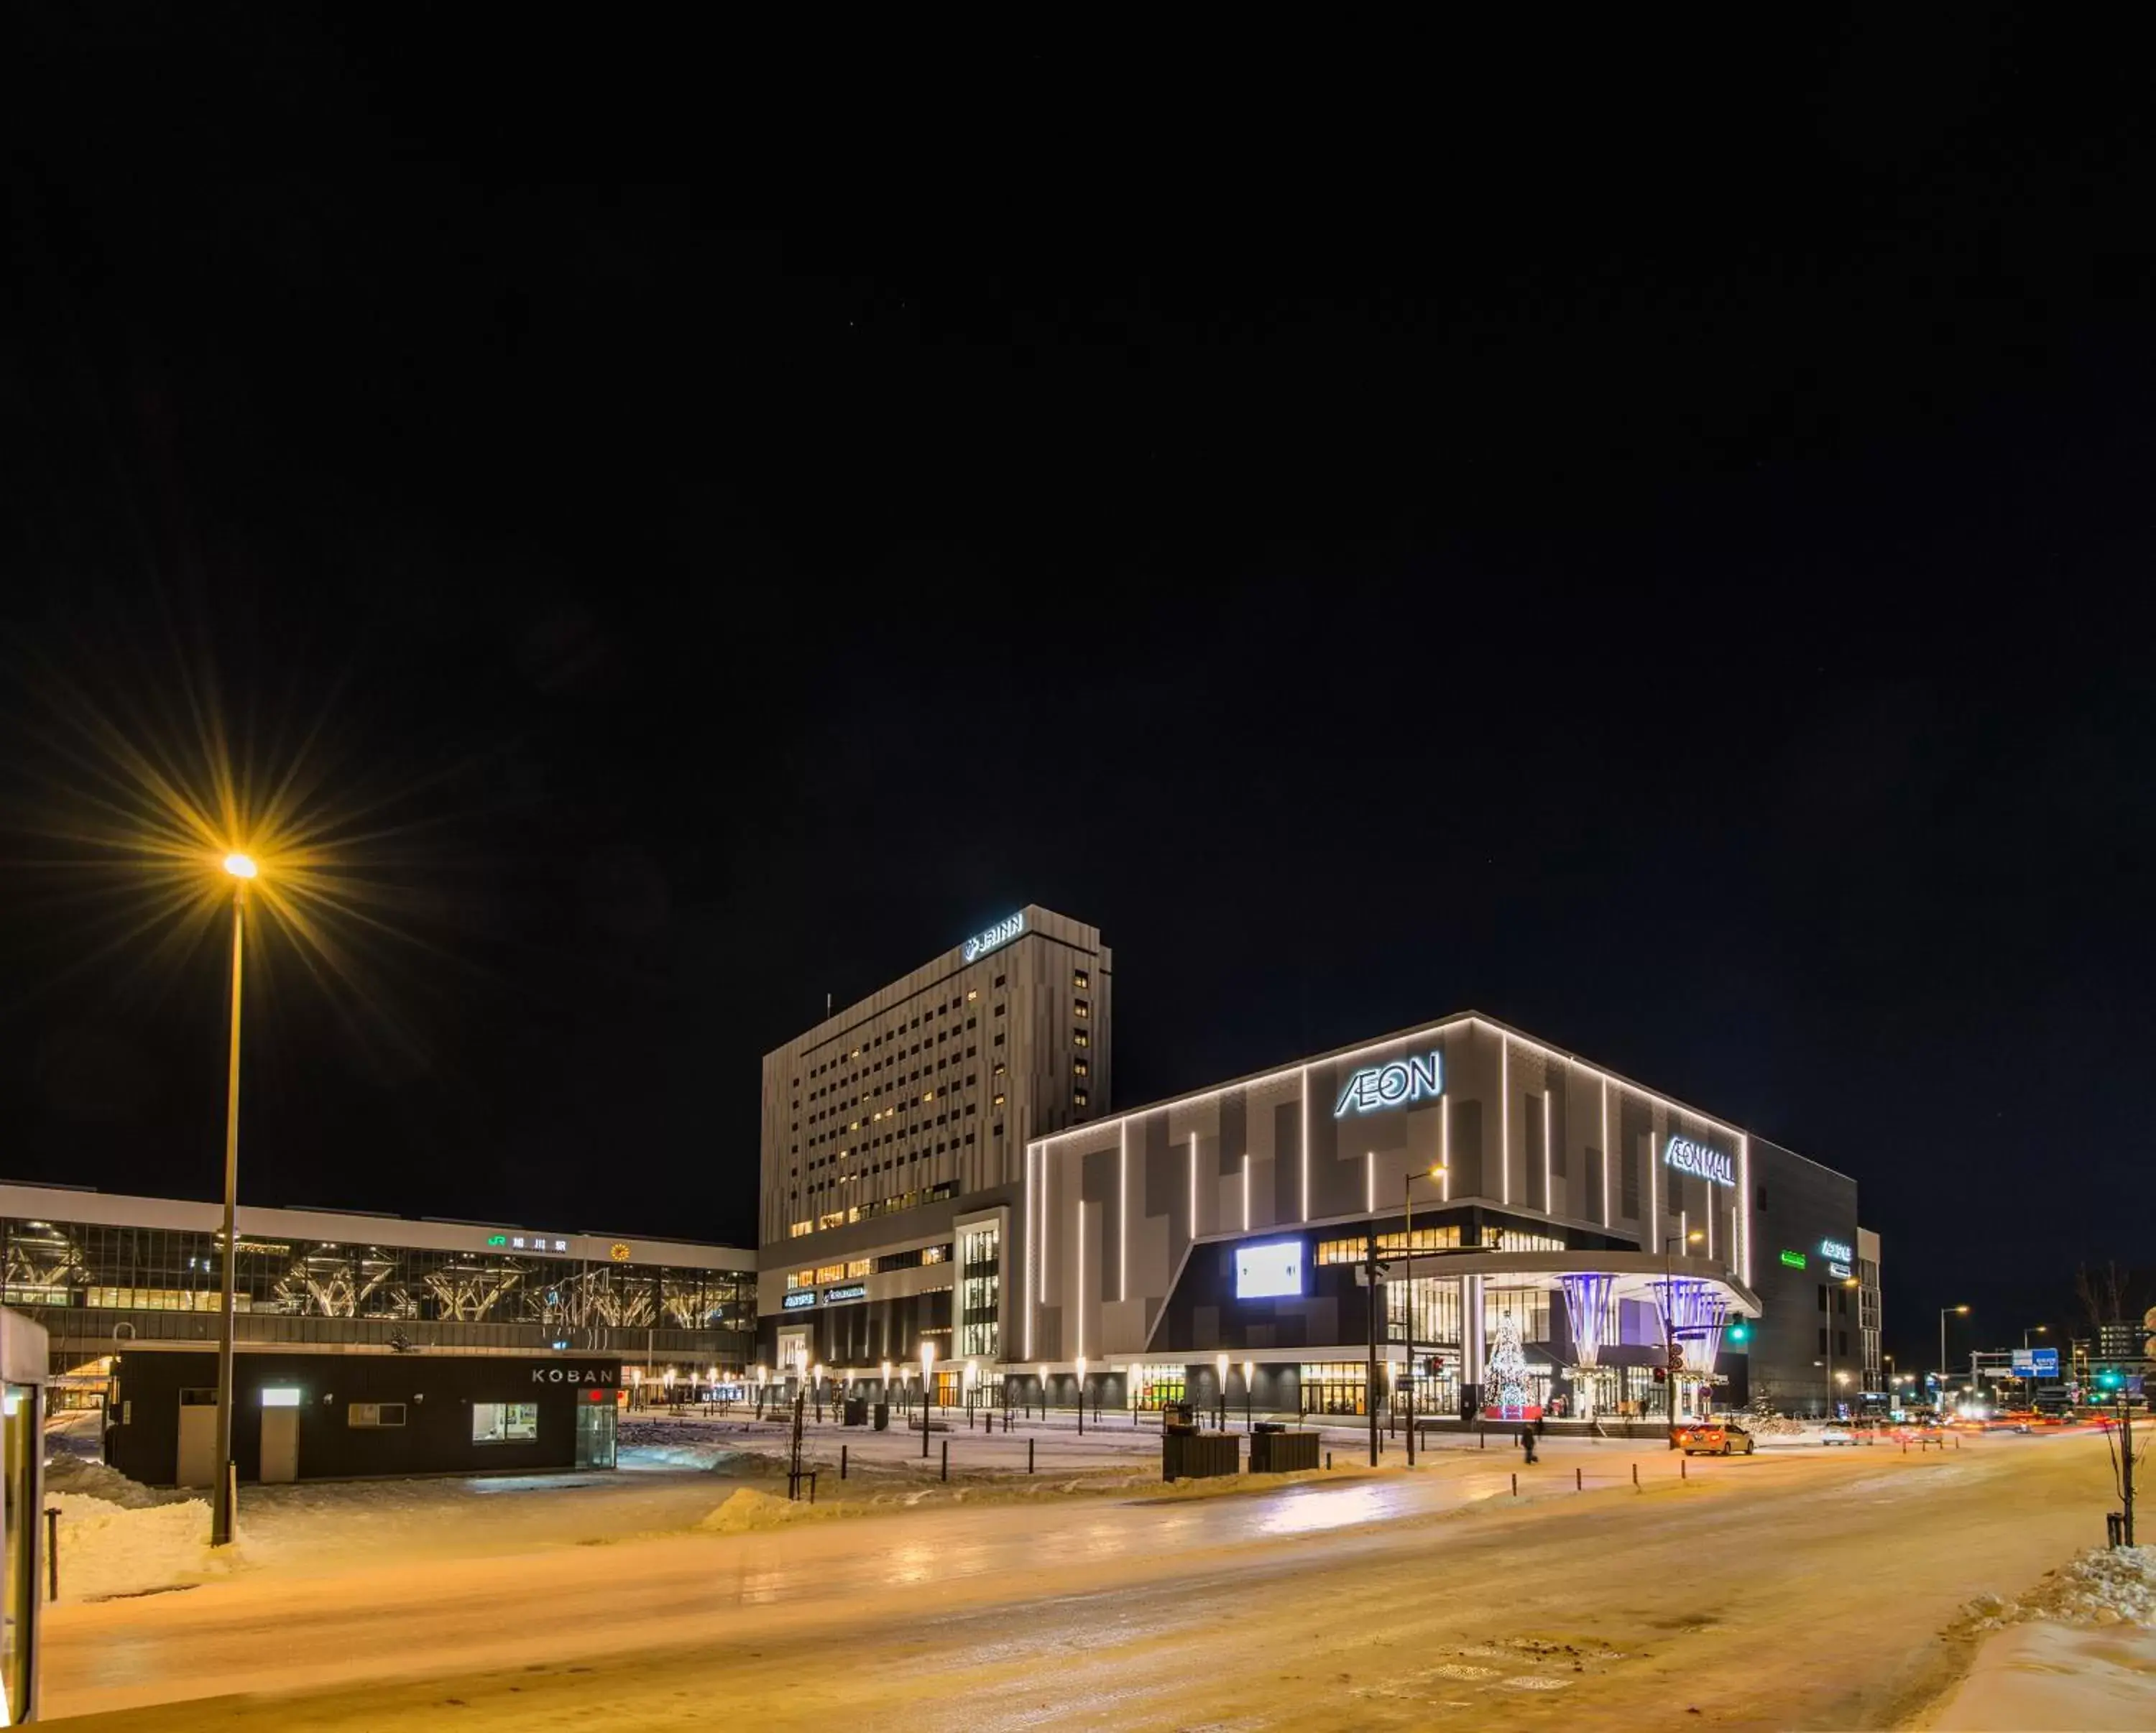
(1262, 1271)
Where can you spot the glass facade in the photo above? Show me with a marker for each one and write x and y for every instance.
(57, 1270)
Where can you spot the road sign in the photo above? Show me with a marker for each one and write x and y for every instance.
(2036, 1362)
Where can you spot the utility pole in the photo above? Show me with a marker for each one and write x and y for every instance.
(2126, 1458)
(1370, 1397)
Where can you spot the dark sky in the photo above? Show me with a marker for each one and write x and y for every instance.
(1648, 538)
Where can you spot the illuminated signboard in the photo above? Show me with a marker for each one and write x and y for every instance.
(1795, 1260)
(793, 1302)
(1838, 1248)
(497, 1239)
(1376, 1086)
(1002, 933)
(1265, 1271)
(1688, 1155)
(1839, 1271)
(2036, 1362)
(856, 1290)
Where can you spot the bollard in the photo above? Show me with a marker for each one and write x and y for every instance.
(1579, 1480)
(1516, 1484)
(1029, 1456)
(1328, 1458)
(946, 1460)
(53, 1553)
(1635, 1477)
(1684, 1468)
(842, 1462)
(1484, 1436)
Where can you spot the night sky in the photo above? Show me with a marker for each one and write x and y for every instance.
(1650, 540)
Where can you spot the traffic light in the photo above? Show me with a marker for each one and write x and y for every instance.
(1740, 1332)
(1662, 1375)
(2109, 1378)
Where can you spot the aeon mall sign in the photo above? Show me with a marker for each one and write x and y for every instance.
(1688, 1155)
(1379, 1086)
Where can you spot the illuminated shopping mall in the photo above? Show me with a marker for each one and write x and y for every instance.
(1545, 1230)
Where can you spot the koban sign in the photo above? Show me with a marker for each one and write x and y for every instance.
(1688, 1156)
(1376, 1086)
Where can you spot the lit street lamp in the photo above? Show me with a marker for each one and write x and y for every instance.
(1249, 1378)
(1081, 1396)
(1220, 1390)
(243, 870)
(1959, 1310)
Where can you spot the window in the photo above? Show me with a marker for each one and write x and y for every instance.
(1079, 1007)
(1078, 1068)
(374, 1413)
(1079, 980)
(505, 1423)
(1000, 981)
(999, 1010)
(1079, 1037)
(999, 1038)
(1078, 1097)
(972, 994)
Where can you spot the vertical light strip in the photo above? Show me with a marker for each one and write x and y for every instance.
(1505, 1116)
(1653, 1215)
(1082, 1276)
(1194, 1187)
(1370, 1180)
(1444, 1142)
(1123, 1215)
(1550, 1203)
(1306, 1143)
(1741, 1225)
(1029, 1154)
(1606, 1152)
(1246, 1191)
(1710, 1221)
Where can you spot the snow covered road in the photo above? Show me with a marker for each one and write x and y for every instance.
(1809, 1588)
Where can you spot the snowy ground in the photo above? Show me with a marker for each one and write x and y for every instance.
(1805, 1586)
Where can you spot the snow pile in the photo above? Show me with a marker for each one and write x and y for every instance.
(2107, 1586)
(106, 1549)
(749, 1511)
(99, 1481)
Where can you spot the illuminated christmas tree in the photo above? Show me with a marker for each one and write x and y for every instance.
(1508, 1368)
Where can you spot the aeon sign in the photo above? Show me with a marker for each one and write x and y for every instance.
(1403, 1080)
(1687, 1156)
(1002, 933)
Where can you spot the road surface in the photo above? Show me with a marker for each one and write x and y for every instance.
(1795, 1590)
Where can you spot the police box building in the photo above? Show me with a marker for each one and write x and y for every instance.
(1546, 1232)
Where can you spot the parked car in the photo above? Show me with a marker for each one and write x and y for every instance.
(1838, 1432)
(1713, 1438)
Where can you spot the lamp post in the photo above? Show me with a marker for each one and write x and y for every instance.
(242, 869)
(883, 1395)
(1081, 1396)
(1220, 1387)
(1962, 1311)
(816, 1374)
(1407, 1200)
(2034, 1330)
(1250, 1378)
(1670, 1322)
(927, 1368)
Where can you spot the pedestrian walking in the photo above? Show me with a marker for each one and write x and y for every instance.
(1527, 1438)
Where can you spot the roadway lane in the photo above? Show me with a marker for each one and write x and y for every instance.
(1788, 1591)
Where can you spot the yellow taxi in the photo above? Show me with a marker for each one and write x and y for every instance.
(1713, 1438)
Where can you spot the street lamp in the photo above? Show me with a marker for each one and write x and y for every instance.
(927, 1368)
(1669, 1323)
(816, 1377)
(883, 1395)
(1250, 1378)
(1962, 1311)
(1407, 1199)
(2034, 1330)
(243, 871)
(1081, 1396)
(1221, 1370)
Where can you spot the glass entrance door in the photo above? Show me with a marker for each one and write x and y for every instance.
(596, 1430)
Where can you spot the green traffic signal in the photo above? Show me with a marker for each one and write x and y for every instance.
(1740, 1332)
(2109, 1377)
